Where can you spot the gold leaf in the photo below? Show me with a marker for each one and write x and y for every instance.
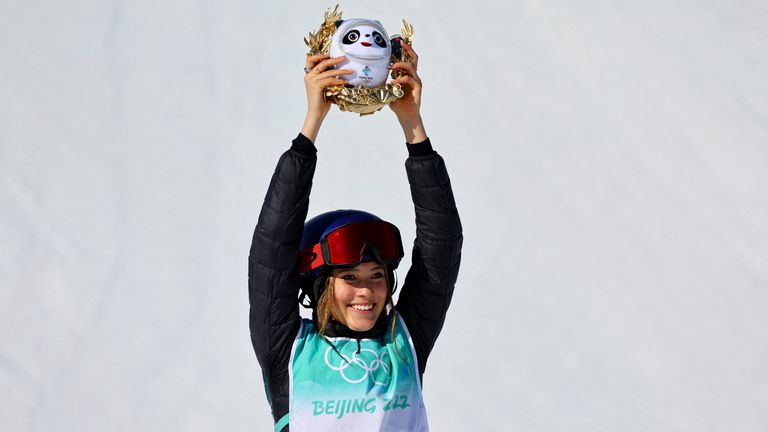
(332, 15)
(406, 30)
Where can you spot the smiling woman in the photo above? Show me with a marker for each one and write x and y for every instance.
(358, 363)
(357, 297)
(347, 258)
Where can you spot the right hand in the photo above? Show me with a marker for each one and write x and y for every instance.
(320, 76)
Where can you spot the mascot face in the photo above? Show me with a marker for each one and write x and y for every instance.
(366, 45)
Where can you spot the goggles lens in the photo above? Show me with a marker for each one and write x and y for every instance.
(346, 245)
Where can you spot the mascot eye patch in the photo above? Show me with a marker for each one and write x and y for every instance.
(379, 39)
(351, 37)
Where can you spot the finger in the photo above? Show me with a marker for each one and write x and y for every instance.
(412, 53)
(334, 73)
(325, 64)
(403, 65)
(409, 68)
(330, 82)
(315, 59)
(406, 80)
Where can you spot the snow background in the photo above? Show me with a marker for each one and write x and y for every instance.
(609, 159)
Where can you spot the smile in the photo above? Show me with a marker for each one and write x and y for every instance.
(367, 44)
(362, 307)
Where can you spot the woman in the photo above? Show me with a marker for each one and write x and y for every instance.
(358, 364)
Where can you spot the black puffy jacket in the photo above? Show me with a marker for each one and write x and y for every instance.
(273, 276)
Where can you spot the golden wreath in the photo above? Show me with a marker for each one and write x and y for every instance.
(358, 99)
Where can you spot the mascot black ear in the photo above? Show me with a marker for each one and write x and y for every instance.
(338, 23)
(397, 49)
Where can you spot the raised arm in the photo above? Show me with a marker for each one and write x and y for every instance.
(318, 76)
(273, 273)
(428, 286)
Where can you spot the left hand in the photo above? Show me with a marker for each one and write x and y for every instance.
(410, 104)
(408, 108)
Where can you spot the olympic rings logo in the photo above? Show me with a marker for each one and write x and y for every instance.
(355, 369)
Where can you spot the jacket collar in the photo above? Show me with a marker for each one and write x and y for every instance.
(337, 329)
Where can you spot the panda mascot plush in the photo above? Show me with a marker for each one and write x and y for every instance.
(368, 50)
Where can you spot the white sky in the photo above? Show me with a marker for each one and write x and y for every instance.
(610, 163)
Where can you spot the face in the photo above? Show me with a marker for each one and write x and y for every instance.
(359, 295)
(365, 42)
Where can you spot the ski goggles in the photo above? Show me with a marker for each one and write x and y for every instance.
(346, 246)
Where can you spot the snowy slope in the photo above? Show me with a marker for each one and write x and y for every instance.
(610, 162)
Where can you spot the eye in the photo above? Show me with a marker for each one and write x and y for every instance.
(377, 275)
(351, 37)
(379, 39)
(348, 278)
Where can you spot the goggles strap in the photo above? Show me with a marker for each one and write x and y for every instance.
(317, 290)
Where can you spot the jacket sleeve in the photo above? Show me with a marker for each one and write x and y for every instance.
(428, 286)
(273, 275)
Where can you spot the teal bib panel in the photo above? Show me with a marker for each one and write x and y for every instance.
(338, 386)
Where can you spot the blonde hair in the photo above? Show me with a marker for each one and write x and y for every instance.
(325, 304)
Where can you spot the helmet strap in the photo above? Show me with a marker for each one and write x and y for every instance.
(317, 290)
(304, 297)
(393, 281)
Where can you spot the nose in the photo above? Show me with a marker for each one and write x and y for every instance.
(364, 290)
